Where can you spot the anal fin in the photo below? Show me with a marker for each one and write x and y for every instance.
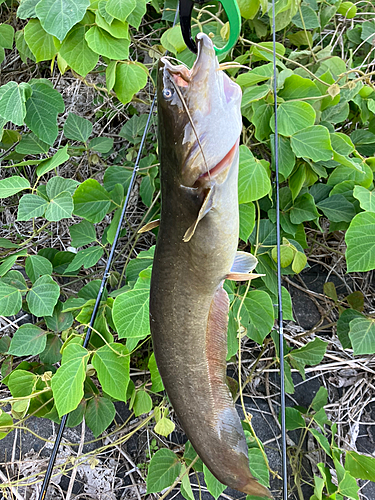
(243, 264)
(205, 208)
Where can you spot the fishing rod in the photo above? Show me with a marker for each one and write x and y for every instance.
(279, 293)
(60, 432)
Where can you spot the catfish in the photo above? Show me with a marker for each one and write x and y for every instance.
(199, 127)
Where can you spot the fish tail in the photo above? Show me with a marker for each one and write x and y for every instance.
(228, 460)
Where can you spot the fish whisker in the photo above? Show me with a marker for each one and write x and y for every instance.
(192, 124)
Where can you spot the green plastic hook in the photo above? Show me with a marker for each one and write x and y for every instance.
(234, 19)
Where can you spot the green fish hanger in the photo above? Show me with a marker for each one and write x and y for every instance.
(234, 18)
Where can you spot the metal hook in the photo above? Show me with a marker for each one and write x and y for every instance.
(234, 18)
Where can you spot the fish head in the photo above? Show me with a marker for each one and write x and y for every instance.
(200, 112)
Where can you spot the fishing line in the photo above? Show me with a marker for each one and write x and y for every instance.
(279, 294)
(102, 288)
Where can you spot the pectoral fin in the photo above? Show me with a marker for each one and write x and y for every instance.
(205, 208)
(149, 226)
(243, 264)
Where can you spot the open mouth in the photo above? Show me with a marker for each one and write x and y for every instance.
(223, 164)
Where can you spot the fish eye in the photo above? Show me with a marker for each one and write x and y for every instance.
(167, 94)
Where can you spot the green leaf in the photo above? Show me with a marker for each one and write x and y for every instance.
(294, 419)
(142, 261)
(293, 117)
(120, 9)
(360, 466)
(343, 326)
(136, 15)
(67, 383)
(142, 403)
(26, 9)
(186, 490)
(10, 300)
(348, 486)
(60, 207)
(258, 467)
(77, 128)
(39, 41)
(341, 174)
(157, 383)
(306, 18)
(287, 305)
(366, 198)
(360, 241)
(57, 185)
(42, 109)
(247, 220)
(214, 486)
(91, 201)
(99, 414)
(4, 243)
(12, 102)
(21, 383)
(260, 310)
(36, 266)
(299, 262)
(76, 52)
(6, 36)
(31, 206)
(172, 40)
(101, 144)
(6, 423)
(112, 363)
(103, 11)
(189, 455)
(256, 75)
(287, 158)
(261, 121)
(368, 31)
(253, 180)
(13, 185)
(116, 28)
(297, 87)
(31, 144)
(15, 279)
(51, 163)
(131, 311)
(337, 208)
(252, 94)
(59, 16)
(82, 234)
(28, 340)
(87, 257)
(130, 78)
(304, 209)
(101, 42)
(51, 353)
(310, 354)
(362, 335)
(59, 320)
(8, 263)
(312, 142)
(322, 440)
(164, 427)
(133, 128)
(320, 399)
(163, 470)
(43, 296)
(115, 175)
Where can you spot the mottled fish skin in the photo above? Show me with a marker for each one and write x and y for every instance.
(188, 306)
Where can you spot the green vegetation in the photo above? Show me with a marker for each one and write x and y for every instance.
(326, 106)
